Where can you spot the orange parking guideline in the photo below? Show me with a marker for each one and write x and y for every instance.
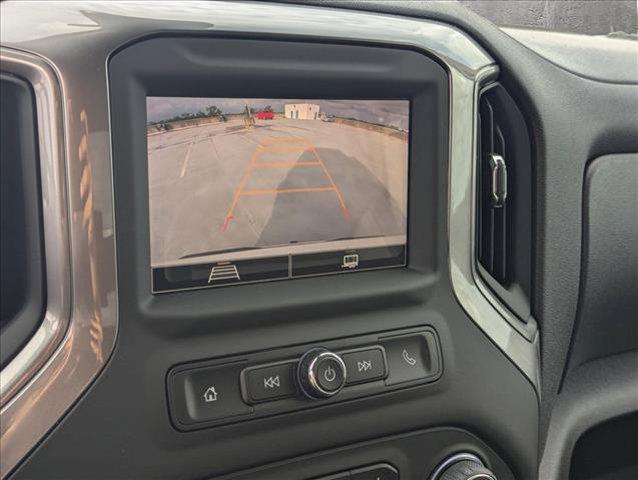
(285, 164)
(284, 140)
(344, 209)
(229, 215)
(285, 148)
(286, 190)
(267, 146)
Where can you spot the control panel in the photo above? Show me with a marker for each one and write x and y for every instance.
(227, 390)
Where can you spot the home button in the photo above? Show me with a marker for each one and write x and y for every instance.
(205, 394)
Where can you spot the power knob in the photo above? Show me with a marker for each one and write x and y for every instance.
(321, 373)
(462, 466)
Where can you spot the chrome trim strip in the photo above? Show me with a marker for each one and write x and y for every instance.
(58, 268)
(56, 18)
(78, 39)
(517, 340)
(75, 339)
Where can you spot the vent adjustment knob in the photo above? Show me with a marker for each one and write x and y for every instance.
(498, 180)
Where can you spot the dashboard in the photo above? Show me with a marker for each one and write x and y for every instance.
(296, 242)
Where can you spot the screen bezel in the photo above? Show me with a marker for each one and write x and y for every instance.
(160, 284)
(225, 66)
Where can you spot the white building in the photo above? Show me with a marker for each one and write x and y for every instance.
(301, 111)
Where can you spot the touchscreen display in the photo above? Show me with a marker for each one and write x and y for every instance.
(250, 190)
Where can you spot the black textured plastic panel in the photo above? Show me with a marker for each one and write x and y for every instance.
(608, 306)
(415, 455)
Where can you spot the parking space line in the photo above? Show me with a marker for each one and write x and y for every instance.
(170, 145)
(247, 139)
(253, 159)
(186, 158)
(212, 143)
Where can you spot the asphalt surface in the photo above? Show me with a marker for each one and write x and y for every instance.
(222, 186)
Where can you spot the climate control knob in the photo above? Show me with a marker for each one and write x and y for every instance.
(321, 373)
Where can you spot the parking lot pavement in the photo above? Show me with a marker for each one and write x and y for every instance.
(222, 186)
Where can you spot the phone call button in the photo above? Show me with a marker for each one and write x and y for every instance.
(411, 357)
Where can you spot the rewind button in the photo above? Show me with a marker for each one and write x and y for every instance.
(272, 382)
(263, 384)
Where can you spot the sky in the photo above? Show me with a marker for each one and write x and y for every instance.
(386, 112)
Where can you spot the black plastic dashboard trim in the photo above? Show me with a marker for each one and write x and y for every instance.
(351, 392)
(550, 98)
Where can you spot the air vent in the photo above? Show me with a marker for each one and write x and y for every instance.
(22, 292)
(492, 212)
(504, 215)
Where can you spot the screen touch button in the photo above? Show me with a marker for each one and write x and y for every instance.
(321, 373)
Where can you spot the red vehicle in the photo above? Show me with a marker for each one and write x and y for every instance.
(265, 116)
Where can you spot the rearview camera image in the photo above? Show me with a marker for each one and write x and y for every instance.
(248, 190)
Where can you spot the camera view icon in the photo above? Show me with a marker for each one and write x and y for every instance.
(350, 261)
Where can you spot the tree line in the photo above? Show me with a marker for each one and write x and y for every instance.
(208, 112)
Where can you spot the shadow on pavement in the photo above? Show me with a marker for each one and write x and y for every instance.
(317, 216)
